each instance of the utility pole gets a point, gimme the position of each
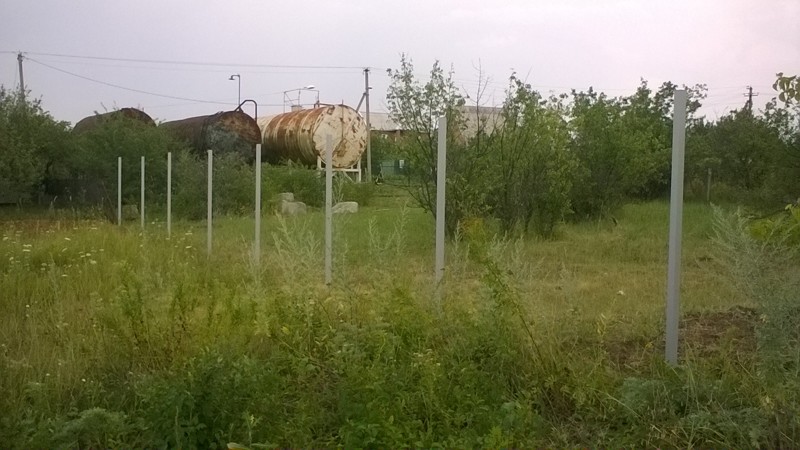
(750, 95)
(369, 130)
(21, 78)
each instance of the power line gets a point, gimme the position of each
(200, 70)
(124, 87)
(198, 63)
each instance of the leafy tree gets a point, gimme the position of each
(605, 171)
(782, 178)
(532, 169)
(788, 88)
(746, 146)
(623, 145)
(647, 119)
(416, 106)
(31, 142)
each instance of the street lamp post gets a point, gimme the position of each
(238, 78)
(286, 97)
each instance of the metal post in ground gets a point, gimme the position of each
(328, 209)
(169, 195)
(119, 190)
(441, 164)
(257, 240)
(142, 193)
(209, 194)
(675, 228)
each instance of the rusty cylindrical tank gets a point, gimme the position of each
(225, 131)
(300, 135)
(91, 122)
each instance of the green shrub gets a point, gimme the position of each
(307, 185)
(346, 190)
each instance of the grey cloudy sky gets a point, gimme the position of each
(557, 45)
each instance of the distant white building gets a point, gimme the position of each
(489, 118)
(381, 123)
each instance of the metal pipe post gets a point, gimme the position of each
(142, 192)
(441, 167)
(119, 190)
(675, 225)
(209, 192)
(328, 209)
(169, 195)
(257, 241)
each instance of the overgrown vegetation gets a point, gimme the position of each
(113, 337)
(536, 162)
(110, 338)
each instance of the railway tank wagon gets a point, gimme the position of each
(224, 132)
(92, 122)
(299, 136)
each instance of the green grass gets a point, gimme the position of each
(114, 337)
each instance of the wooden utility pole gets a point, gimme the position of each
(750, 95)
(21, 77)
(369, 130)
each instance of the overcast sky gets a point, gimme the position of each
(556, 45)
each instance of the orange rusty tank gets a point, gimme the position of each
(300, 135)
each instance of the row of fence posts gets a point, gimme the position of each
(257, 213)
(675, 227)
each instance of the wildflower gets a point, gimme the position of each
(83, 380)
(88, 255)
(5, 238)
(63, 275)
(188, 247)
(92, 262)
(67, 239)
(26, 250)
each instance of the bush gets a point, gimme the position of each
(93, 164)
(30, 141)
(346, 190)
(307, 185)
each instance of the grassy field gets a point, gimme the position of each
(112, 337)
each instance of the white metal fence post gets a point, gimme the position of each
(119, 190)
(209, 196)
(441, 165)
(142, 193)
(257, 241)
(675, 226)
(328, 209)
(169, 195)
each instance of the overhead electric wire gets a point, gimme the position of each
(199, 63)
(124, 87)
(187, 69)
